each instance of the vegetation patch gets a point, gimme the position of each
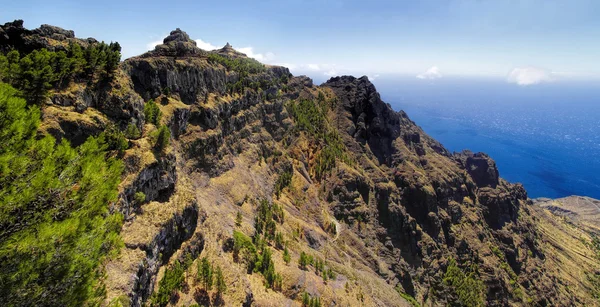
(39, 71)
(466, 285)
(311, 117)
(55, 228)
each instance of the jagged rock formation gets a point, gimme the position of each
(394, 214)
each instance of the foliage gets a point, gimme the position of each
(279, 240)
(168, 285)
(39, 71)
(205, 273)
(54, 219)
(311, 117)
(409, 298)
(152, 112)
(286, 256)
(115, 139)
(594, 277)
(265, 221)
(243, 66)
(283, 181)
(467, 286)
(310, 301)
(304, 261)
(132, 132)
(220, 281)
(139, 198)
(259, 259)
(238, 219)
(162, 137)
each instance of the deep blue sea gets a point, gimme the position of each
(545, 136)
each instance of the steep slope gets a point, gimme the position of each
(584, 212)
(291, 193)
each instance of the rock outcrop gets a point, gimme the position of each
(389, 213)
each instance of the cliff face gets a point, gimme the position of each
(397, 218)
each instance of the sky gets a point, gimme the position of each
(525, 42)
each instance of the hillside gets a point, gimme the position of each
(224, 181)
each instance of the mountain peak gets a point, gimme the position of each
(178, 35)
(229, 51)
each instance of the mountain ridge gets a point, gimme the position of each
(388, 215)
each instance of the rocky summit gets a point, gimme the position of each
(225, 181)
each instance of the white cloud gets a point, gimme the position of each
(330, 73)
(373, 77)
(529, 75)
(249, 51)
(432, 73)
(291, 66)
(151, 45)
(314, 67)
(205, 45)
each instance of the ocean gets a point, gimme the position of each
(545, 136)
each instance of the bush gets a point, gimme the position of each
(311, 117)
(168, 285)
(286, 256)
(205, 273)
(303, 261)
(238, 219)
(132, 132)
(264, 223)
(243, 66)
(152, 113)
(467, 286)
(220, 281)
(283, 181)
(39, 71)
(139, 198)
(162, 136)
(243, 249)
(54, 201)
(115, 139)
(310, 301)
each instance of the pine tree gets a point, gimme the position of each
(35, 76)
(286, 256)
(220, 281)
(162, 138)
(205, 273)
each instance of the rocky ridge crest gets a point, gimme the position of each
(395, 215)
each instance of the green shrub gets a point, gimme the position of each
(53, 211)
(162, 137)
(264, 223)
(39, 71)
(243, 66)
(243, 249)
(115, 139)
(139, 198)
(303, 261)
(311, 117)
(168, 285)
(283, 181)
(205, 273)
(286, 256)
(279, 240)
(310, 301)
(220, 281)
(238, 219)
(132, 132)
(467, 286)
(152, 112)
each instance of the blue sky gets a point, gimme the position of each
(526, 42)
